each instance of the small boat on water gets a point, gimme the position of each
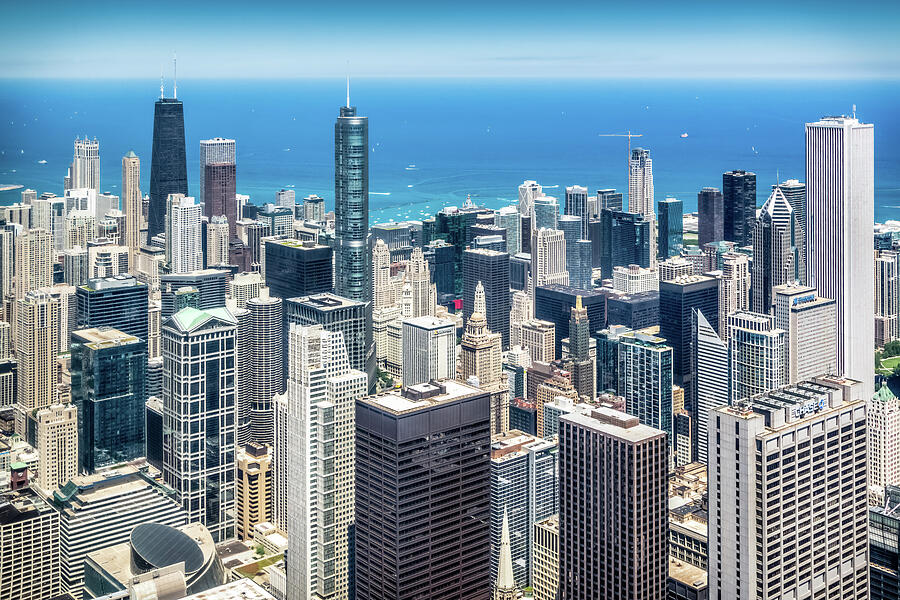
(684, 135)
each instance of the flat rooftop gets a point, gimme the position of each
(614, 424)
(687, 573)
(422, 395)
(98, 338)
(326, 301)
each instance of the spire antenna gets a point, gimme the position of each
(175, 64)
(162, 92)
(348, 91)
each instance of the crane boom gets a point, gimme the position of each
(627, 134)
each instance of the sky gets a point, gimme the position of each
(798, 39)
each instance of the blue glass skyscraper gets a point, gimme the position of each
(109, 388)
(168, 166)
(671, 228)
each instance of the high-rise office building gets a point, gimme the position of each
(429, 349)
(508, 218)
(264, 374)
(884, 547)
(808, 321)
(840, 212)
(351, 206)
(416, 293)
(184, 244)
(244, 286)
(383, 295)
(37, 345)
(546, 213)
(807, 442)
(571, 225)
(539, 339)
(286, 199)
(7, 262)
(199, 420)
(608, 198)
(293, 268)
(81, 228)
(34, 258)
(581, 362)
(739, 205)
(214, 151)
(334, 313)
(168, 165)
(119, 302)
(670, 228)
(56, 440)
(734, 287)
(254, 489)
(887, 296)
(711, 386)
(883, 434)
(613, 488)
(29, 536)
(677, 299)
(131, 204)
(773, 251)
(402, 533)
(524, 489)
(480, 362)
(624, 239)
(545, 558)
(217, 239)
(211, 283)
(757, 355)
(86, 164)
(528, 191)
(548, 258)
(490, 269)
(577, 205)
(219, 197)
(314, 208)
(710, 216)
(640, 182)
(109, 389)
(99, 511)
(645, 380)
(795, 193)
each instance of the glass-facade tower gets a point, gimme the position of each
(168, 166)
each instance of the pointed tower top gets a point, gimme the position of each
(162, 93)
(578, 302)
(480, 303)
(348, 91)
(505, 579)
(131, 154)
(175, 66)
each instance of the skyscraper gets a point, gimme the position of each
(613, 507)
(773, 251)
(254, 489)
(508, 217)
(734, 287)
(884, 546)
(219, 193)
(795, 193)
(839, 238)
(645, 380)
(402, 533)
(710, 216)
(546, 212)
(199, 420)
(131, 203)
(528, 191)
(34, 258)
(56, 440)
(582, 365)
(184, 244)
(624, 240)
(480, 362)
(576, 204)
(739, 205)
(548, 258)
(214, 151)
(640, 182)
(334, 314)
(168, 165)
(429, 350)
(809, 322)
(118, 302)
(109, 388)
(710, 391)
(351, 205)
(757, 352)
(800, 440)
(37, 344)
(293, 268)
(86, 164)
(887, 296)
(321, 413)
(670, 228)
(29, 531)
(883, 434)
(490, 269)
(264, 372)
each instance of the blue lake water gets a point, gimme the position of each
(478, 137)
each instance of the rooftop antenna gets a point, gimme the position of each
(854, 111)
(161, 92)
(348, 84)
(175, 63)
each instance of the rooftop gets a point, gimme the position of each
(190, 318)
(326, 301)
(687, 573)
(98, 338)
(21, 505)
(422, 395)
(614, 423)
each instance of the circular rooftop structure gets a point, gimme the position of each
(154, 546)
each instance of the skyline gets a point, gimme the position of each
(771, 40)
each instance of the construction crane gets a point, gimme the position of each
(627, 134)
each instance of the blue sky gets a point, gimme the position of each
(460, 38)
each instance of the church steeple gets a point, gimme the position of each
(505, 588)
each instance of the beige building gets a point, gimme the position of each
(131, 202)
(57, 444)
(244, 287)
(37, 328)
(481, 359)
(883, 432)
(254, 488)
(545, 558)
(539, 338)
(29, 538)
(34, 261)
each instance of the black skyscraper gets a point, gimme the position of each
(739, 203)
(554, 303)
(119, 302)
(295, 268)
(624, 239)
(168, 167)
(710, 217)
(491, 268)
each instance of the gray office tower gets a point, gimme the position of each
(610, 199)
(441, 258)
(635, 311)
(294, 268)
(583, 276)
(423, 525)
(120, 302)
(670, 240)
(577, 205)
(623, 239)
(795, 193)
(491, 268)
(710, 216)
(571, 227)
(739, 207)
(210, 283)
(109, 388)
(677, 299)
(168, 165)
(613, 508)
(554, 303)
(884, 547)
(334, 313)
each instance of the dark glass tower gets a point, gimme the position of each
(623, 239)
(120, 302)
(168, 166)
(219, 193)
(710, 217)
(491, 268)
(671, 228)
(739, 202)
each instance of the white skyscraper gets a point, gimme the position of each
(321, 425)
(199, 415)
(86, 164)
(184, 249)
(883, 426)
(809, 323)
(217, 234)
(528, 191)
(887, 297)
(510, 219)
(640, 182)
(788, 515)
(429, 350)
(382, 291)
(548, 259)
(840, 203)
(734, 287)
(286, 199)
(756, 354)
(711, 367)
(214, 151)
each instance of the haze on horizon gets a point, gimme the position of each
(653, 39)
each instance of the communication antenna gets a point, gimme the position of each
(348, 84)
(175, 63)
(161, 92)
(854, 111)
